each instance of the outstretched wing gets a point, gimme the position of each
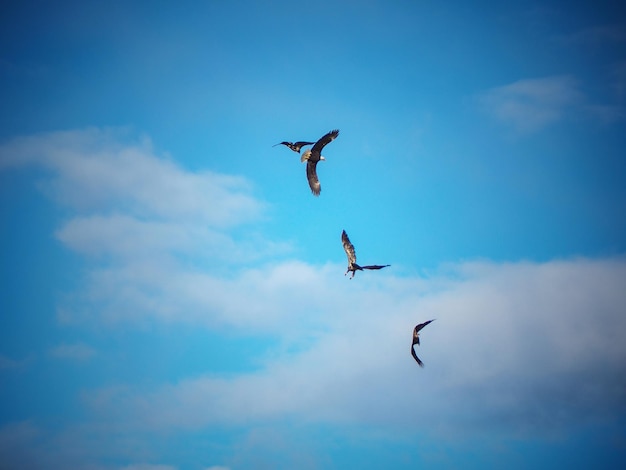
(311, 175)
(348, 248)
(422, 325)
(295, 146)
(286, 144)
(326, 139)
(376, 266)
(417, 359)
(301, 144)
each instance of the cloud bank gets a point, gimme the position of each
(522, 347)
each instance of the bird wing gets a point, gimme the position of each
(311, 175)
(295, 146)
(301, 144)
(421, 364)
(288, 144)
(422, 325)
(326, 139)
(348, 248)
(376, 266)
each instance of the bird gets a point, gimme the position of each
(295, 146)
(315, 155)
(352, 266)
(416, 340)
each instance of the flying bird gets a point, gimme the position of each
(313, 156)
(295, 146)
(416, 340)
(352, 266)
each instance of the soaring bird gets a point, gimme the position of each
(352, 266)
(295, 146)
(416, 340)
(313, 156)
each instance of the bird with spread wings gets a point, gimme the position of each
(416, 340)
(315, 155)
(352, 266)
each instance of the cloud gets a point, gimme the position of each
(594, 35)
(532, 104)
(17, 440)
(519, 347)
(8, 363)
(139, 217)
(98, 170)
(77, 352)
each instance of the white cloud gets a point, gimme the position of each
(520, 346)
(140, 211)
(531, 104)
(77, 352)
(100, 170)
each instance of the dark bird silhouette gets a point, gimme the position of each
(416, 340)
(352, 266)
(295, 146)
(313, 156)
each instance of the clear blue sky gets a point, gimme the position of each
(172, 295)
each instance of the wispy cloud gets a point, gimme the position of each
(532, 104)
(103, 170)
(8, 363)
(508, 350)
(141, 211)
(16, 440)
(594, 35)
(77, 352)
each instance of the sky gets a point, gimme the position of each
(172, 296)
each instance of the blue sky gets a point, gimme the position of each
(172, 295)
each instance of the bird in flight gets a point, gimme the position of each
(313, 156)
(416, 340)
(295, 146)
(352, 266)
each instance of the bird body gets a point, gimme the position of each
(416, 340)
(313, 156)
(353, 267)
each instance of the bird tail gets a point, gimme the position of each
(305, 156)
